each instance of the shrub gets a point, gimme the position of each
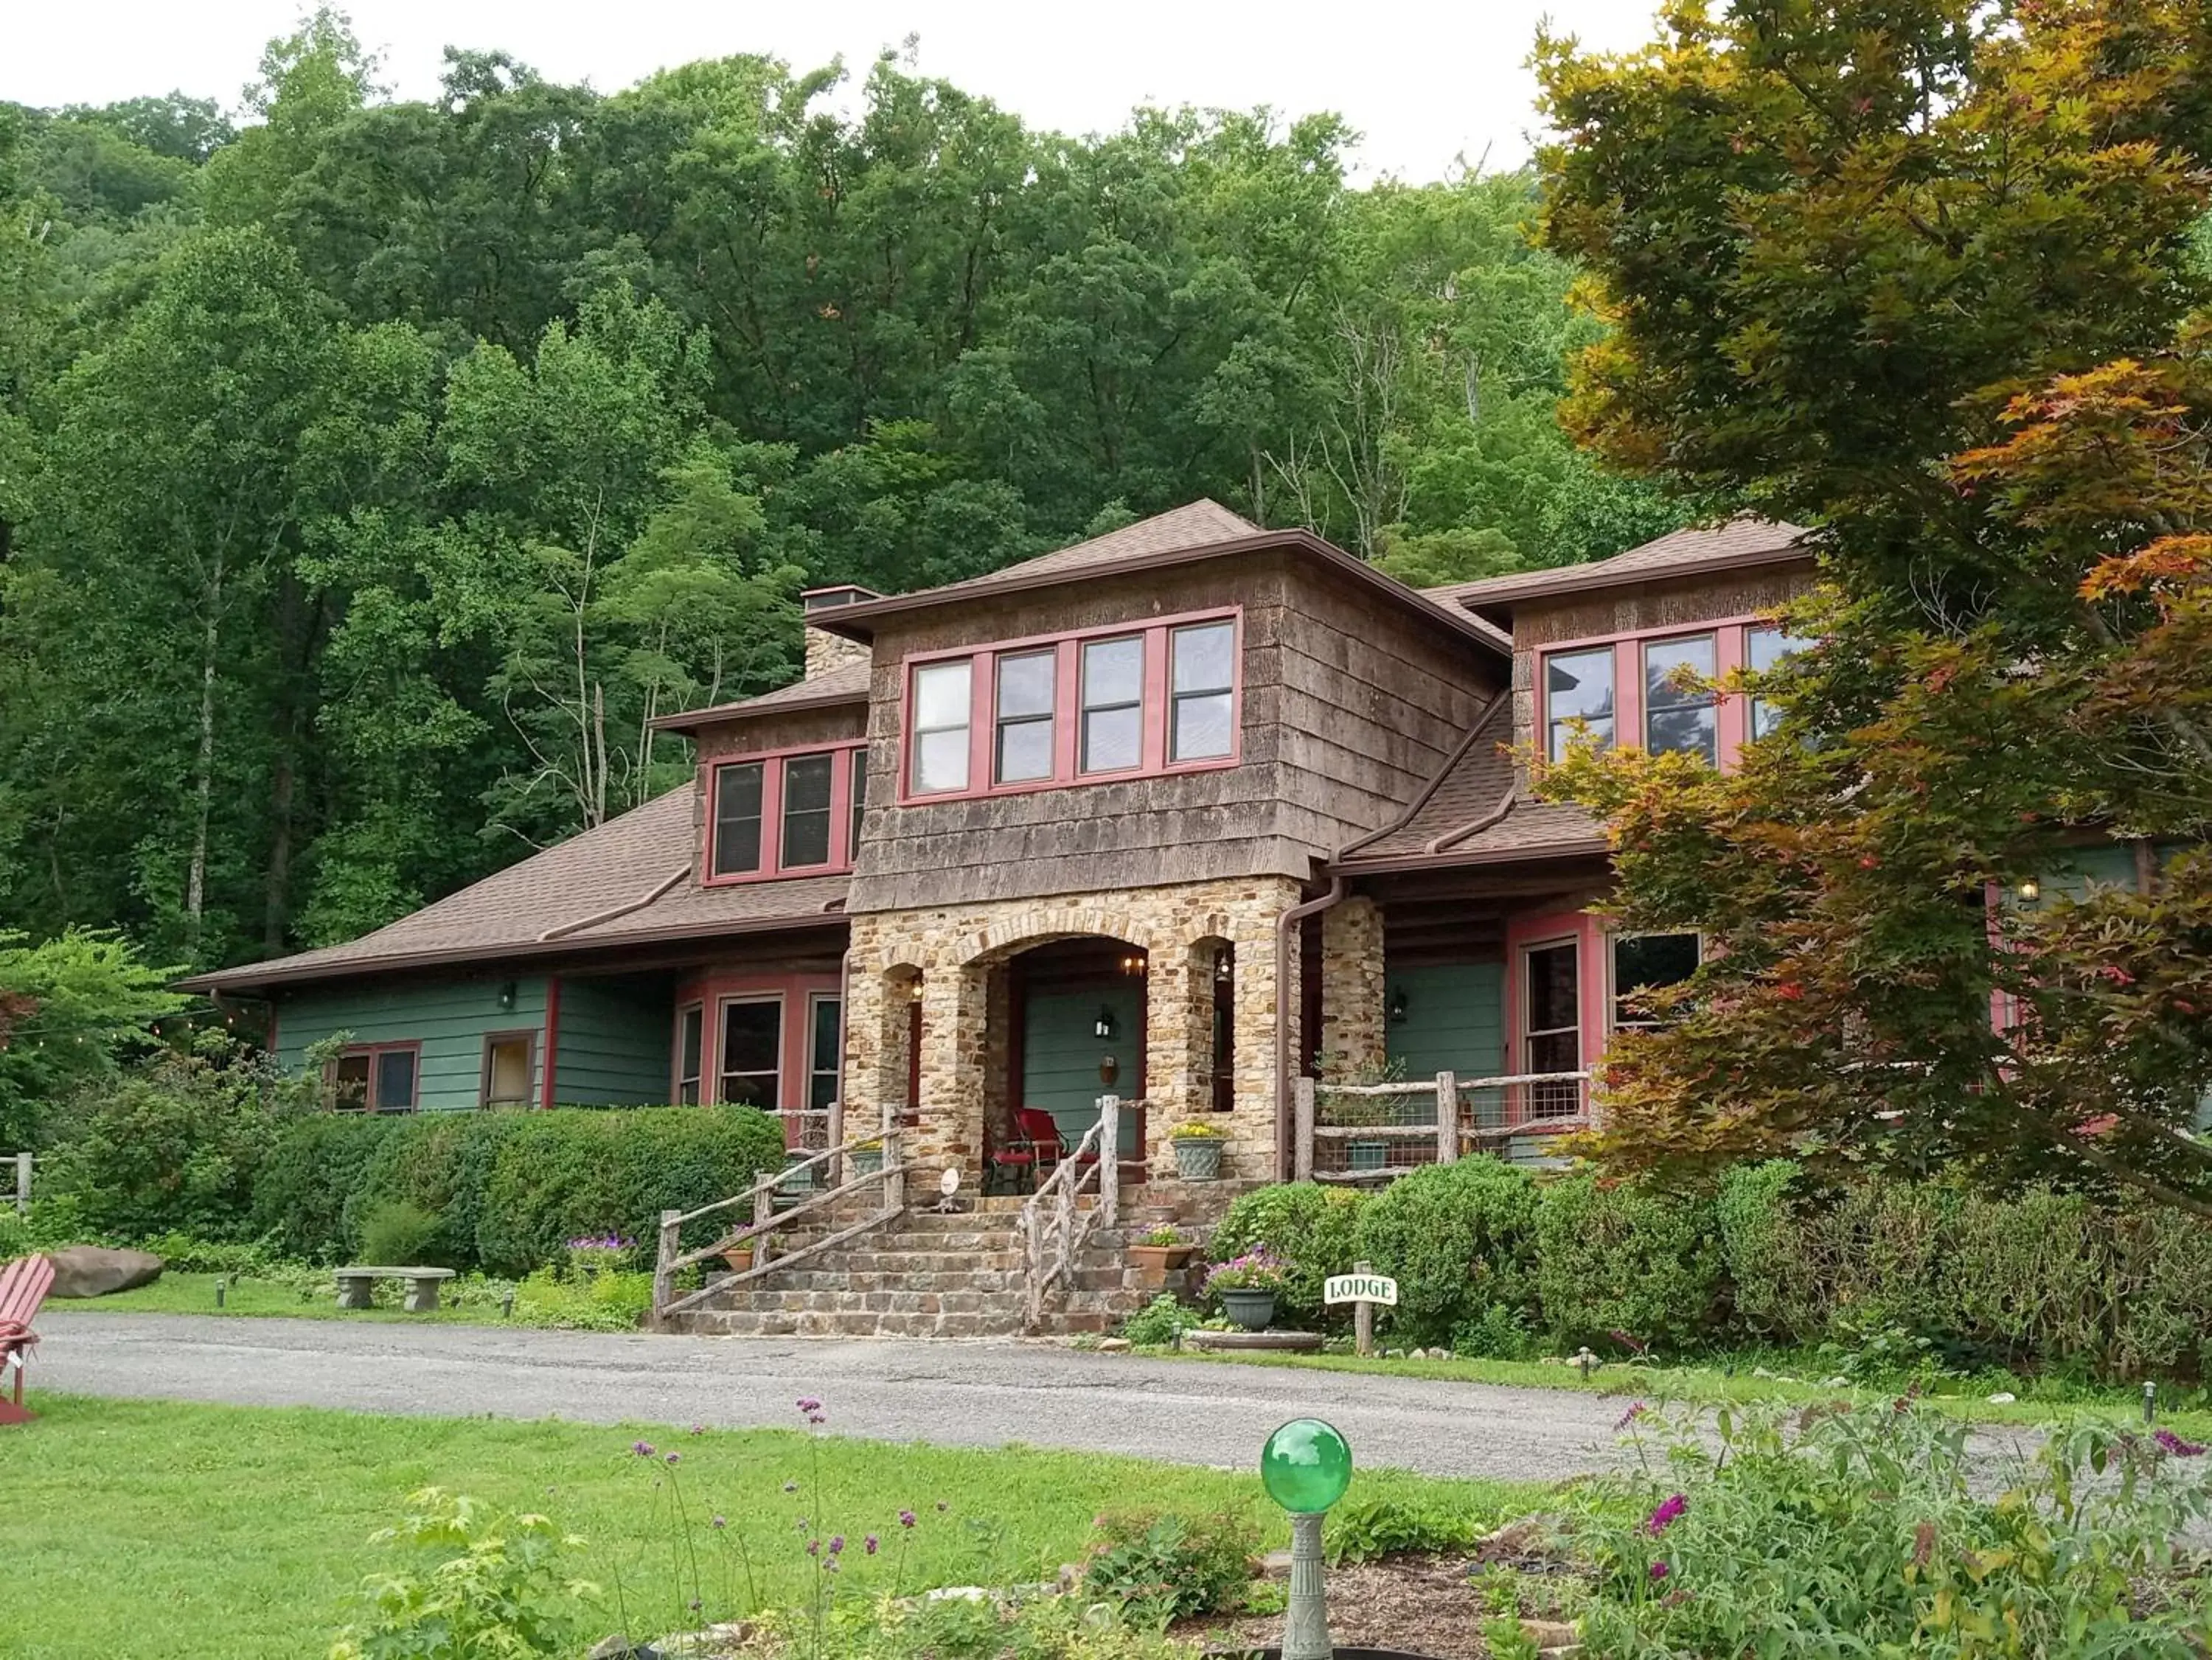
(1164, 1568)
(1460, 1238)
(1311, 1229)
(175, 1144)
(1869, 1531)
(1161, 1323)
(441, 1162)
(307, 1174)
(1754, 1214)
(498, 1587)
(1619, 1260)
(396, 1234)
(1369, 1528)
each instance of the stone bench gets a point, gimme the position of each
(355, 1285)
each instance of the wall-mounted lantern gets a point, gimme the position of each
(507, 995)
(1398, 1006)
(1103, 1027)
(2030, 890)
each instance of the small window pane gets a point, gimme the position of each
(1205, 658)
(940, 696)
(1578, 685)
(1025, 684)
(736, 819)
(691, 1030)
(753, 1049)
(822, 1084)
(1554, 1000)
(1113, 672)
(1765, 649)
(1024, 751)
(941, 760)
(349, 1083)
(1679, 719)
(1203, 727)
(1644, 962)
(1113, 739)
(507, 1072)
(395, 1079)
(806, 811)
(858, 804)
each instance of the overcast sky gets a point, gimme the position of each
(1426, 81)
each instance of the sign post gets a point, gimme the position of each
(1363, 1288)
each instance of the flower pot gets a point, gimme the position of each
(796, 1184)
(1251, 1309)
(1197, 1158)
(741, 1260)
(867, 1161)
(1154, 1263)
(1369, 1155)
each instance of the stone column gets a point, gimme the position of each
(955, 1048)
(1351, 991)
(1252, 1151)
(1178, 1043)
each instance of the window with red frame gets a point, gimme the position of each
(796, 814)
(375, 1078)
(1100, 704)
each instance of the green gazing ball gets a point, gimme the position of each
(1305, 1466)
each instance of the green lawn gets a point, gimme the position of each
(139, 1530)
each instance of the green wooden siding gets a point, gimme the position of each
(1454, 1020)
(447, 1018)
(1061, 1050)
(613, 1049)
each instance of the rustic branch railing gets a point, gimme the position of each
(1054, 1225)
(760, 1199)
(1444, 1124)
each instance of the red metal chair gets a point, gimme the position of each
(1041, 1131)
(23, 1286)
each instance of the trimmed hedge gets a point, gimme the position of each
(1485, 1257)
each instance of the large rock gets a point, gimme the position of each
(84, 1270)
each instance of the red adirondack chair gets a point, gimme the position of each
(23, 1285)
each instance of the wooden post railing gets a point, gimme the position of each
(1447, 1118)
(1304, 1110)
(1110, 1157)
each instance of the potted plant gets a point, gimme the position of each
(740, 1257)
(797, 1184)
(1359, 1112)
(868, 1156)
(1197, 1150)
(1161, 1252)
(1246, 1286)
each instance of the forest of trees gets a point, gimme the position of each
(371, 472)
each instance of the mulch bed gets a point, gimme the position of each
(1420, 1604)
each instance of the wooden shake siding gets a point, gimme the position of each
(449, 1018)
(1347, 706)
(614, 1042)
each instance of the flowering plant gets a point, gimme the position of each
(1196, 1129)
(1257, 1270)
(593, 1255)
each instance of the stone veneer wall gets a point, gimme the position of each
(826, 650)
(1352, 988)
(961, 951)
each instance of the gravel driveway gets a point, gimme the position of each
(984, 1393)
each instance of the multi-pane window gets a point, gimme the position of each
(1679, 703)
(752, 1051)
(1551, 1027)
(737, 800)
(1203, 672)
(1644, 962)
(1764, 649)
(1578, 686)
(690, 1042)
(941, 700)
(378, 1077)
(1113, 705)
(1025, 719)
(825, 1054)
(806, 785)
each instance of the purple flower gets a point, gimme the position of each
(870, 1542)
(1663, 1518)
(698, 1429)
(675, 1458)
(716, 1521)
(694, 1605)
(836, 1544)
(2174, 1444)
(1630, 1416)
(808, 1404)
(643, 1449)
(942, 1507)
(1658, 1570)
(814, 1547)
(791, 1487)
(818, 1418)
(906, 1518)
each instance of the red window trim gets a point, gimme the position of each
(1586, 933)
(528, 1036)
(1732, 709)
(771, 763)
(414, 1046)
(1068, 707)
(795, 992)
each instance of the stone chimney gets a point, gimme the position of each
(824, 651)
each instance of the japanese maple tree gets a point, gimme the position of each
(1929, 275)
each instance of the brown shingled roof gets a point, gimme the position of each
(635, 879)
(848, 684)
(1472, 812)
(1738, 542)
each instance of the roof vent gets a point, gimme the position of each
(828, 599)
